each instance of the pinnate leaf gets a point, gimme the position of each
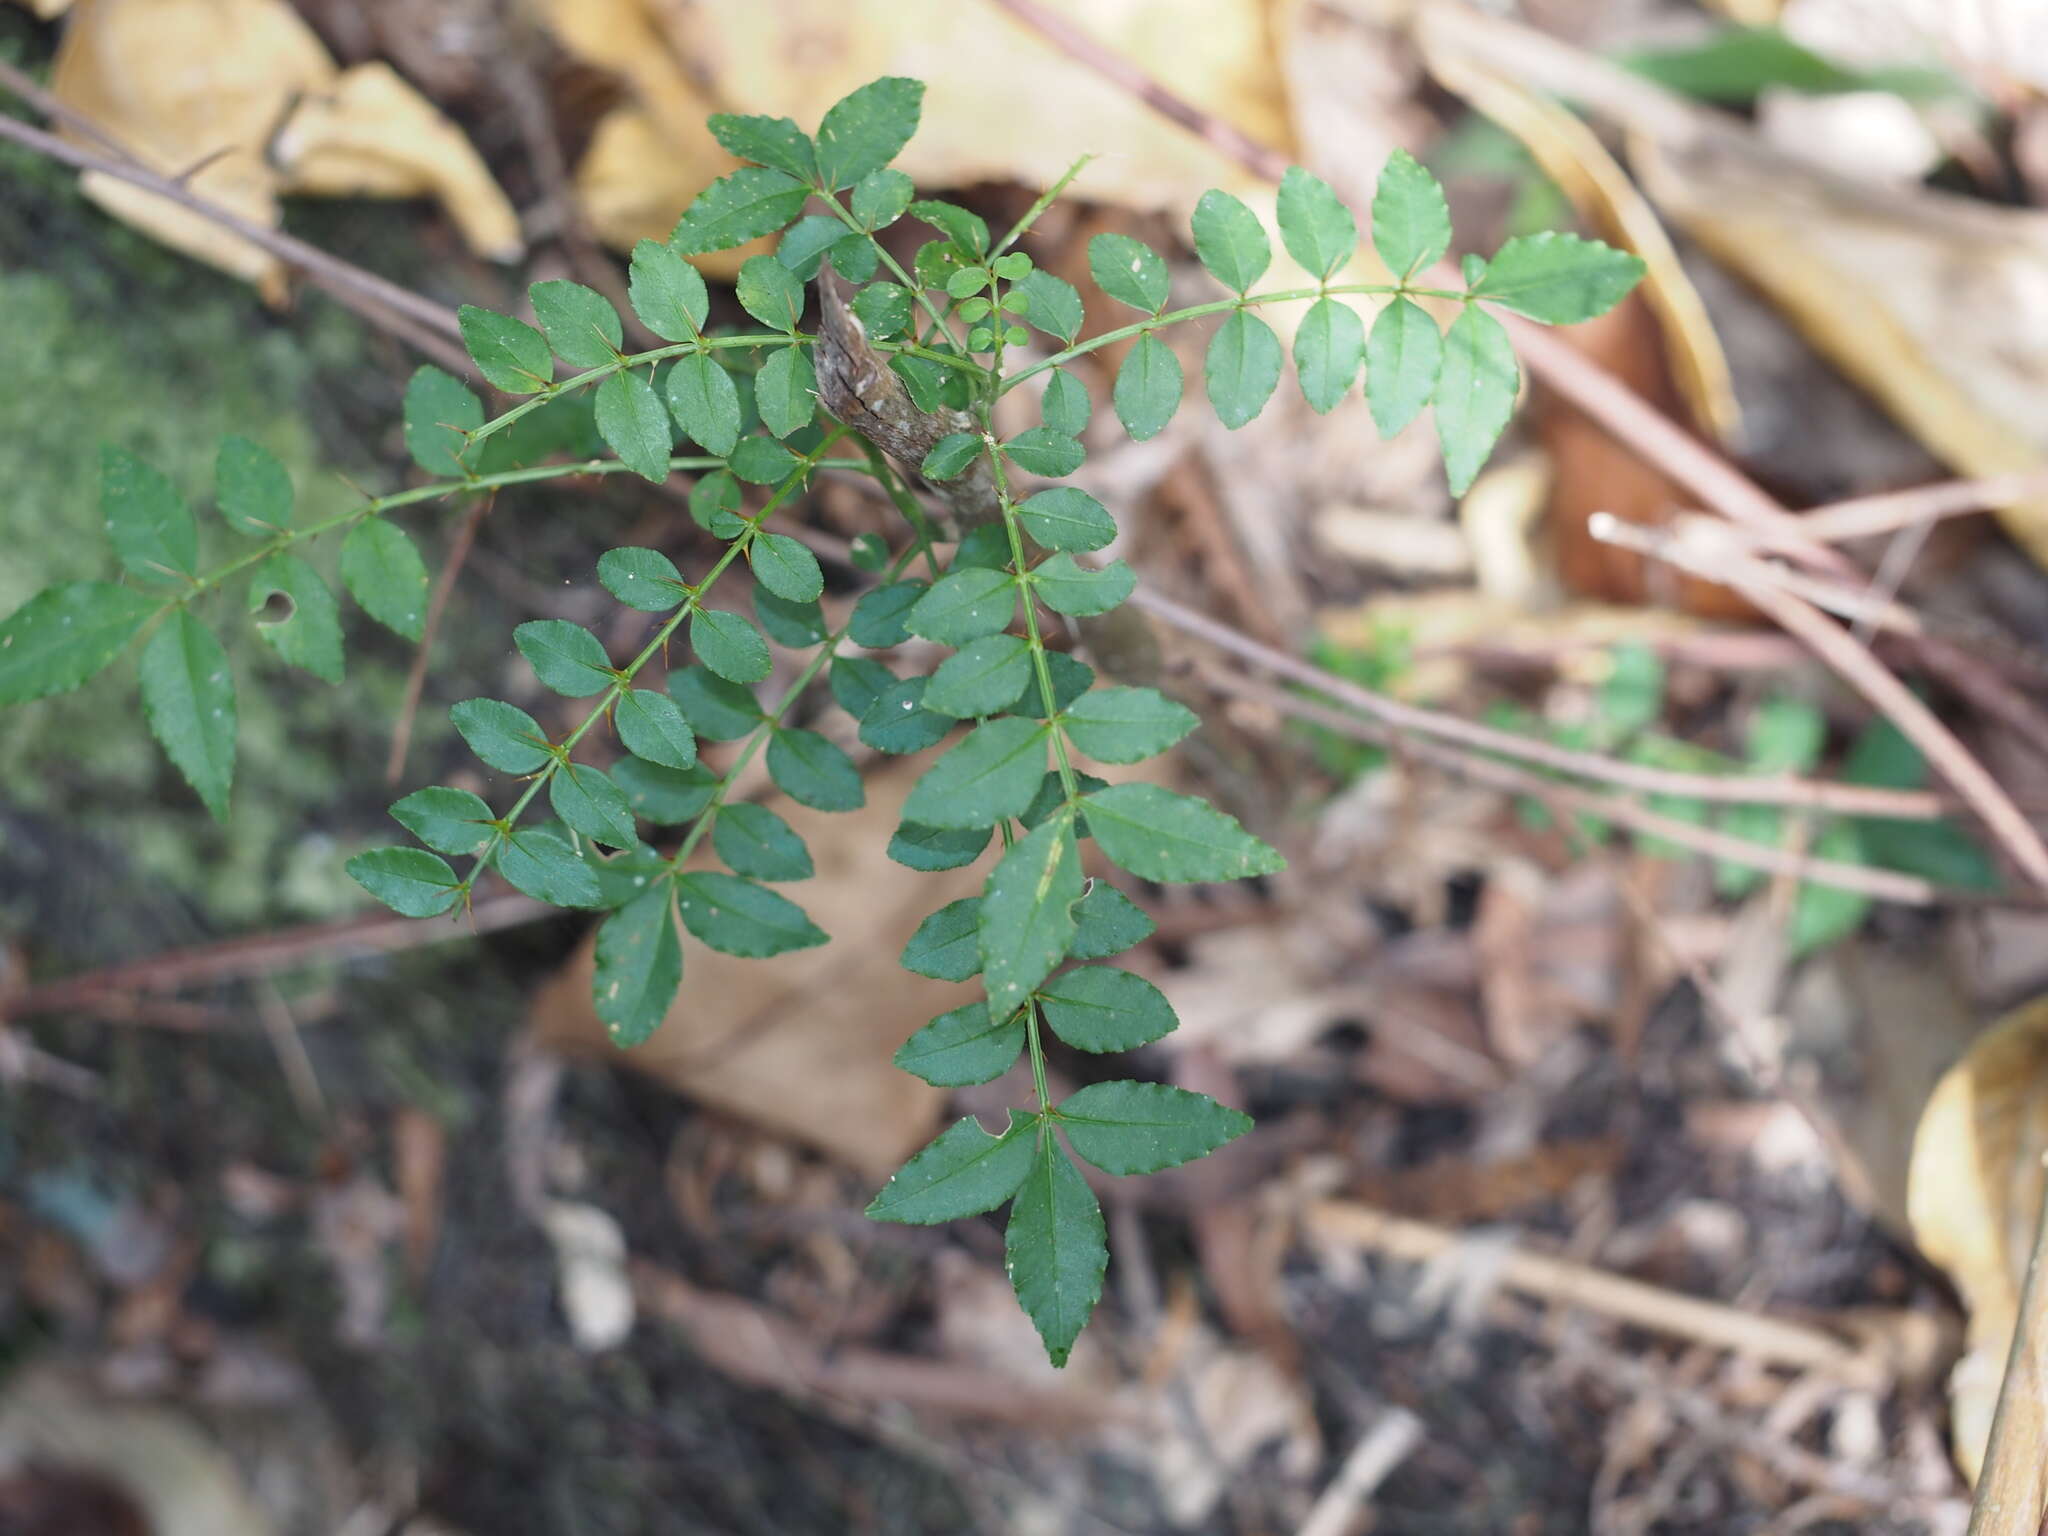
(1126, 725)
(511, 354)
(990, 775)
(961, 1172)
(729, 646)
(543, 866)
(738, 917)
(772, 141)
(1411, 222)
(1327, 351)
(645, 579)
(1127, 1127)
(786, 568)
(410, 881)
(188, 697)
(308, 634)
(1064, 517)
(502, 735)
(567, 658)
(786, 391)
(1042, 451)
(1027, 912)
(1100, 1008)
(383, 571)
(639, 966)
(705, 403)
(667, 292)
(652, 726)
(1148, 388)
(1068, 587)
(947, 945)
(1053, 304)
(589, 802)
(1557, 278)
(759, 844)
(1055, 1247)
(1177, 839)
(1230, 241)
(152, 530)
(1402, 358)
(770, 292)
(962, 606)
(1129, 271)
(1475, 393)
(446, 820)
(631, 419)
(981, 679)
(1317, 229)
(65, 634)
(863, 131)
(753, 201)
(579, 322)
(1241, 368)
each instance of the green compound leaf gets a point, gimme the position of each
(989, 776)
(188, 697)
(761, 461)
(543, 866)
(1475, 393)
(1230, 241)
(631, 419)
(511, 354)
(719, 710)
(1129, 271)
(930, 849)
(308, 634)
(947, 945)
(898, 723)
(1176, 839)
(446, 820)
(963, 1046)
(705, 403)
(439, 410)
(1402, 358)
(1315, 226)
(1411, 222)
(1144, 1127)
(880, 198)
(770, 292)
(579, 322)
(664, 796)
(1055, 1247)
(1126, 725)
(1558, 278)
(759, 844)
(786, 391)
(502, 735)
(1027, 912)
(772, 141)
(1065, 407)
(814, 772)
(1042, 451)
(729, 646)
(962, 606)
(880, 619)
(1052, 305)
(1072, 589)
(567, 658)
(1327, 351)
(985, 678)
(652, 726)
(589, 802)
(753, 201)
(153, 532)
(65, 634)
(1065, 518)
(252, 490)
(644, 579)
(950, 455)
(667, 293)
(786, 568)
(1107, 922)
(383, 571)
(1148, 388)
(410, 881)
(1241, 368)
(962, 1172)
(639, 966)
(1100, 1008)
(865, 130)
(738, 917)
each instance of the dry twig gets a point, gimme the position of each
(2013, 1486)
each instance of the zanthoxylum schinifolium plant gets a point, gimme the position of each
(945, 337)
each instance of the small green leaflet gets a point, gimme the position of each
(65, 634)
(947, 945)
(384, 573)
(1558, 278)
(1411, 222)
(152, 530)
(410, 881)
(753, 201)
(503, 735)
(1055, 1247)
(631, 419)
(1107, 922)
(1129, 271)
(1070, 679)
(664, 796)
(770, 292)
(785, 567)
(1126, 725)
(639, 966)
(786, 390)
(963, 1046)
(1065, 407)
(879, 619)
(738, 917)
(252, 490)
(439, 409)
(1241, 368)
(1402, 357)
(589, 802)
(929, 849)
(729, 646)
(651, 726)
(579, 322)
(857, 681)
(1067, 587)
(567, 658)
(803, 248)
(1027, 912)
(759, 844)
(898, 723)
(1053, 304)
(1159, 835)
(962, 1172)
(1823, 914)
(188, 697)
(1064, 517)
(511, 354)
(719, 710)
(446, 820)
(761, 461)
(1316, 228)
(814, 772)
(982, 679)
(309, 633)
(774, 141)
(962, 606)
(990, 775)
(667, 293)
(1148, 388)
(951, 455)
(705, 403)
(863, 131)
(1042, 451)
(1327, 351)
(967, 231)
(1100, 1008)
(883, 310)
(644, 579)
(1230, 241)
(1475, 393)
(1143, 1127)
(880, 198)
(544, 867)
